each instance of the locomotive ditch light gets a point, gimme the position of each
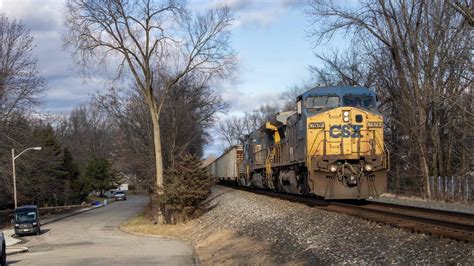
(333, 167)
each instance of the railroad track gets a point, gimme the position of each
(455, 225)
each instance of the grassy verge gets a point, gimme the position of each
(142, 225)
(213, 246)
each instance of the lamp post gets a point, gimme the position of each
(14, 172)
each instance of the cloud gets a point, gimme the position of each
(246, 100)
(39, 15)
(251, 12)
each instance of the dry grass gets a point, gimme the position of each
(142, 225)
(213, 246)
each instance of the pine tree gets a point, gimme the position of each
(46, 177)
(100, 172)
(72, 190)
(187, 185)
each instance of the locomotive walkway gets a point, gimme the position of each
(455, 225)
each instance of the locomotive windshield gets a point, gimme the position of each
(364, 101)
(321, 102)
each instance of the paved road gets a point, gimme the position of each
(93, 238)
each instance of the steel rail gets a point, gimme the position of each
(455, 225)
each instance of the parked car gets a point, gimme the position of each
(120, 195)
(3, 250)
(27, 220)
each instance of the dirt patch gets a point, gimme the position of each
(212, 246)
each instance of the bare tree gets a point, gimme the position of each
(288, 97)
(20, 82)
(232, 130)
(133, 138)
(159, 42)
(348, 69)
(187, 116)
(87, 133)
(465, 8)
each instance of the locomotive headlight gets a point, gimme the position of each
(346, 119)
(346, 113)
(368, 167)
(333, 168)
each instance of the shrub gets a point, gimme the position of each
(187, 185)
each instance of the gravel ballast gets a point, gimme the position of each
(296, 233)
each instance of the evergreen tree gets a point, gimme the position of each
(45, 179)
(74, 191)
(99, 171)
(187, 185)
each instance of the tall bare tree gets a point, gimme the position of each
(346, 69)
(20, 83)
(158, 42)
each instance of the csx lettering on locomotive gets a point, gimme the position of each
(345, 131)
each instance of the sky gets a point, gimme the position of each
(270, 37)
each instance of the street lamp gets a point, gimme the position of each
(14, 172)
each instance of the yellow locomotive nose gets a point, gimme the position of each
(349, 146)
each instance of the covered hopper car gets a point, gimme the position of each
(332, 146)
(229, 166)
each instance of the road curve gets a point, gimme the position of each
(94, 238)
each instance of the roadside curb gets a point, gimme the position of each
(16, 250)
(18, 241)
(156, 236)
(72, 214)
(9, 239)
(197, 261)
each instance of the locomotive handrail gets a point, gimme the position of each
(315, 138)
(377, 143)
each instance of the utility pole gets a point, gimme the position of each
(14, 172)
(14, 177)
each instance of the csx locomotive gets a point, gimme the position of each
(331, 146)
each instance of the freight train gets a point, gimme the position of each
(331, 146)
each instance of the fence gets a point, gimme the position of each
(459, 188)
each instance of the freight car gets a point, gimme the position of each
(229, 166)
(332, 146)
